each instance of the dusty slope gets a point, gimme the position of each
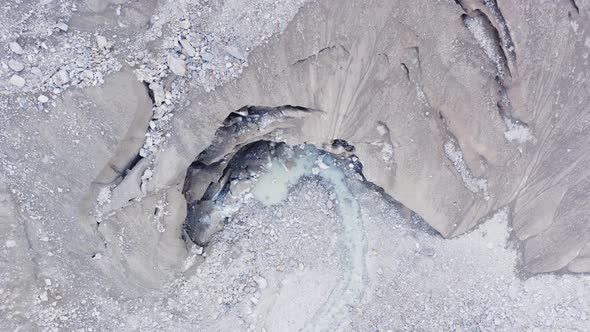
(451, 124)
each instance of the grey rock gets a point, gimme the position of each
(61, 77)
(235, 52)
(36, 71)
(16, 48)
(17, 81)
(206, 56)
(15, 65)
(176, 65)
(187, 48)
(203, 221)
(426, 251)
(185, 24)
(330, 205)
(101, 42)
(62, 26)
(261, 282)
(158, 92)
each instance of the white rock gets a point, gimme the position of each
(187, 48)
(233, 51)
(198, 250)
(102, 42)
(17, 81)
(61, 77)
(206, 56)
(147, 174)
(261, 282)
(16, 48)
(185, 24)
(10, 244)
(177, 65)
(158, 91)
(36, 71)
(42, 99)
(87, 74)
(62, 26)
(15, 65)
(330, 205)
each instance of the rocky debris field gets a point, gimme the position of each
(276, 268)
(417, 165)
(49, 47)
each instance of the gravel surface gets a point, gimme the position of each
(272, 268)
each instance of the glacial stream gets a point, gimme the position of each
(272, 188)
